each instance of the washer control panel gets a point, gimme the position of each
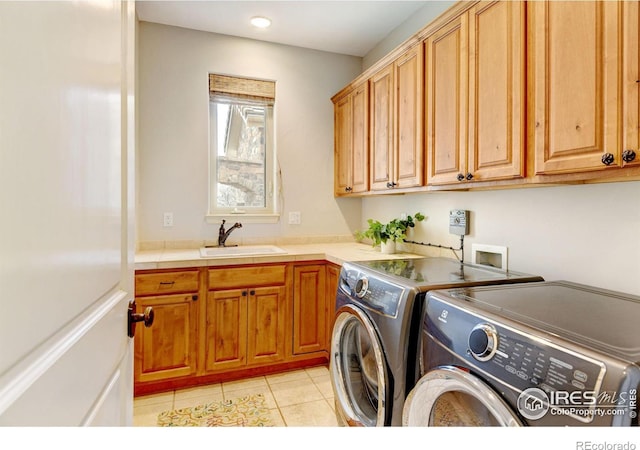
(371, 292)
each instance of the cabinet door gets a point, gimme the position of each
(343, 144)
(333, 277)
(266, 325)
(496, 91)
(351, 134)
(360, 139)
(309, 310)
(575, 63)
(447, 66)
(631, 91)
(168, 348)
(409, 146)
(381, 131)
(226, 329)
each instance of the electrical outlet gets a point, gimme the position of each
(294, 218)
(168, 219)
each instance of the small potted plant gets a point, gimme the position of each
(386, 235)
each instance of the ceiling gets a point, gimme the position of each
(347, 27)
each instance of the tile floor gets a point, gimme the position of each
(300, 398)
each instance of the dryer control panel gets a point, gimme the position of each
(516, 358)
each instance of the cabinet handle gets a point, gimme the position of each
(392, 184)
(460, 177)
(348, 189)
(628, 155)
(167, 283)
(194, 298)
(469, 176)
(244, 293)
(607, 159)
(252, 292)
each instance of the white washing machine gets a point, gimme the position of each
(374, 348)
(536, 354)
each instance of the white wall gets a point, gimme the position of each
(588, 234)
(404, 31)
(174, 64)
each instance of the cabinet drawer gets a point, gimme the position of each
(246, 277)
(166, 282)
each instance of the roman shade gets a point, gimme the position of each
(225, 87)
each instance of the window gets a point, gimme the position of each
(242, 177)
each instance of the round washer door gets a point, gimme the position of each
(448, 396)
(358, 369)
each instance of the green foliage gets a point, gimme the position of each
(396, 230)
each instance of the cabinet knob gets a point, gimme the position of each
(244, 293)
(348, 189)
(194, 298)
(252, 292)
(607, 159)
(469, 176)
(392, 184)
(460, 177)
(628, 155)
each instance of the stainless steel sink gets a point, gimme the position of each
(242, 250)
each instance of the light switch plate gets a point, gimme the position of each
(294, 218)
(168, 219)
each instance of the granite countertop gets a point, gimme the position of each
(336, 253)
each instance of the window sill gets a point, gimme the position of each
(243, 217)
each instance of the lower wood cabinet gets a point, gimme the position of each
(168, 349)
(215, 323)
(333, 277)
(245, 327)
(309, 309)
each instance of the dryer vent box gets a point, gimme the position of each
(489, 255)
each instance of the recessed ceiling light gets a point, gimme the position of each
(260, 22)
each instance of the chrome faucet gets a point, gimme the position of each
(224, 234)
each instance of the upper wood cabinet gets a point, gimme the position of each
(476, 96)
(575, 59)
(631, 84)
(508, 93)
(381, 128)
(351, 150)
(396, 127)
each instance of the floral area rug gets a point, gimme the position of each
(248, 411)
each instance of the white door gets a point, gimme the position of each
(66, 203)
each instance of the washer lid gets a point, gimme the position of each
(442, 273)
(584, 314)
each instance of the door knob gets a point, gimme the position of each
(133, 318)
